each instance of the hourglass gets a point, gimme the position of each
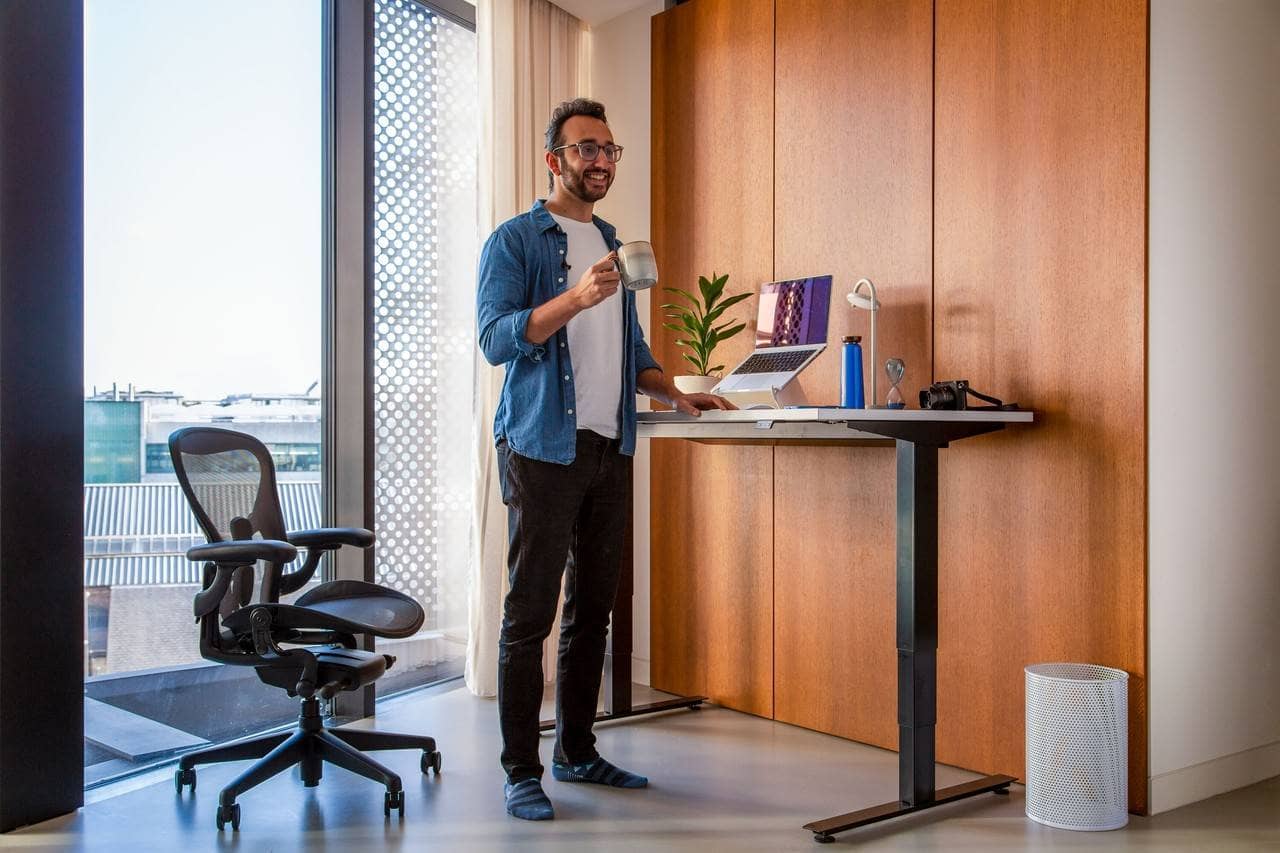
(895, 368)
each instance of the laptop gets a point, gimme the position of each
(791, 329)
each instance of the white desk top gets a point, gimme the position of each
(833, 414)
(805, 424)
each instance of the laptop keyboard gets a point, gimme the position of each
(773, 362)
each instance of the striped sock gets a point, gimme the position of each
(599, 772)
(526, 800)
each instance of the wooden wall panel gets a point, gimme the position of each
(853, 197)
(1040, 298)
(712, 541)
(853, 183)
(835, 665)
(711, 573)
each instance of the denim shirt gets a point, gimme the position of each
(521, 267)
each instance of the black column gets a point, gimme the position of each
(917, 619)
(41, 409)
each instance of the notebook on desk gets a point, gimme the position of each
(791, 329)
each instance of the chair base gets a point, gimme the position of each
(310, 745)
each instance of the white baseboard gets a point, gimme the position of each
(1210, 778)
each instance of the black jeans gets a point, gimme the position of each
(565, 520)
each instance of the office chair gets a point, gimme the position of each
(230, 483)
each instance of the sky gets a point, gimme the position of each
(203, 195)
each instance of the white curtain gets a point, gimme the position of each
(533, 55)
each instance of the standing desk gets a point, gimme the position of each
(917, 436)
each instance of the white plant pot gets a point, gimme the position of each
(686, 384)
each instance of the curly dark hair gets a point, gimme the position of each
(566, 111)
(561, 114)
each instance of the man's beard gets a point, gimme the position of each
(576, 184)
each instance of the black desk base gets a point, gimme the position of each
(690, 702)
(824, 830)
(917, 629)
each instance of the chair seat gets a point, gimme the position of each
(351, 668)
(383, 611)
(353, 607)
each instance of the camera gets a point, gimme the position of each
(946, 395)
(954, 395)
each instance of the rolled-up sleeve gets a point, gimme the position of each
(502, 302)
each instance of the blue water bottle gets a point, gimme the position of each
(851, 394)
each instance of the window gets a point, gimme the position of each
(204, 252)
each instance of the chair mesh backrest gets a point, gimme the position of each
(228, 475)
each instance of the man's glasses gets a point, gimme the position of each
(588, 151)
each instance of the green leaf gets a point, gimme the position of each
(705, 286)
(716, 369)
(722, 335)
(717, 289)
(712, 316)
(698, 366)
(730, 302)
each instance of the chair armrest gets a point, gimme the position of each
(243, 552)
(317, 542)
(331, 538)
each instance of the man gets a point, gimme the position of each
(549, 308)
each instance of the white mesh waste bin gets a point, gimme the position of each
(1077, 746)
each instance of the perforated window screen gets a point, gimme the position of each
(425, 123)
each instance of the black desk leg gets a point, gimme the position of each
(917, 619)
(617, 655)
(917, 638)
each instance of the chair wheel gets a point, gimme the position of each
(185, 777)
(431, 761)
(393, 800)
(229, 814)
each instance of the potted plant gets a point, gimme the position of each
(697, 323)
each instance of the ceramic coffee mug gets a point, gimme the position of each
(637, 265)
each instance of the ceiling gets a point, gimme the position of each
(598, 11)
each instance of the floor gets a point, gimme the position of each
(720, 781)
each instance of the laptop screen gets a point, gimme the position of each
(793, 312)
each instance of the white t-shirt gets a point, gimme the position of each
(595, 336)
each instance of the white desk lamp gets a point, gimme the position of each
(868, 302)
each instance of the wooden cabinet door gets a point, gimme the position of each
(1039, 297)
(853, 189)
(712, 506)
